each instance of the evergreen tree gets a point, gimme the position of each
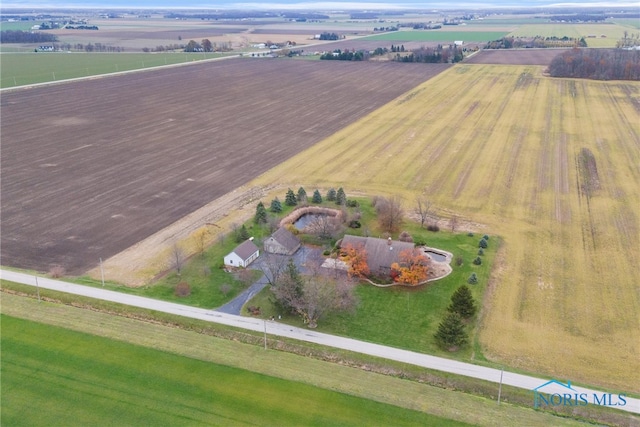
(480, 252)
(477, 261)
(451, 334)
(276, 206)
(290, 199)
(483, 243)
(473, 279)
(341, 198)
(331, 195)
(261, 214)
(462, 302)
(242, 234)
(302, 195)
(317, 198)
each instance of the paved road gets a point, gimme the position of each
(279, 329)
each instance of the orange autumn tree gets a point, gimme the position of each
(412, 267)
(356, 257)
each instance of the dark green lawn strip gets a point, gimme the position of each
(53, 376)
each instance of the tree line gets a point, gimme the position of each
(535, 42)
(19, 36)
(430, 55)
(598, 64)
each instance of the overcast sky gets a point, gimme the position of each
(311, 5)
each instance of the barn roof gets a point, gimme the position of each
(286, 239)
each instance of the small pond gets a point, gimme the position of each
(436, 256)
(306, 219)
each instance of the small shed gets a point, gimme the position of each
(243, 255)
(282, 242)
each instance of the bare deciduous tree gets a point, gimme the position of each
(390, 213)
(273, 266)
(423, 209)
(453, 222)
(177, 258)
(324, 226)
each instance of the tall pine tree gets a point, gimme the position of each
(317, 198)
(331, 195)
(290, 199)
(341, 198)
(261, 214)
(462, 303)
(276, 206)
(302, 195)
(451, 334)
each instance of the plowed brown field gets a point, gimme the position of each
(515, 56)
(90, 168)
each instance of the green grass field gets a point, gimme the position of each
(443, 401)
(439, 36)
(52, 375)
(27, 68)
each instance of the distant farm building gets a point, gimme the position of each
(282, 242)
(243, 255)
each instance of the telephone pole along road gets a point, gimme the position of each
(279, 329)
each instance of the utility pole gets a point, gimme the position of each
(37, 288)
(500, 388)
(101, 272)
(265, 333)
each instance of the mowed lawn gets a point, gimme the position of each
(54, 376)
(503, 146)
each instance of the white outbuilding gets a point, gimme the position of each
(243, 255)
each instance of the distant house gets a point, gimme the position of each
(458, 42)
(243, 255)
(381, 253)
(282, 242)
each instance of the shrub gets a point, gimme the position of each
(480, 252)
(183, 289)
(459, 260)
(225, 288)
(419, 242)
(326, 252)
(405, 237)
(473, 279)
(477, 261)
(352, 203)
(470, 234)
(485, 237)
(483, 243)
(57, 271)
(354, 223)
(433, 227)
